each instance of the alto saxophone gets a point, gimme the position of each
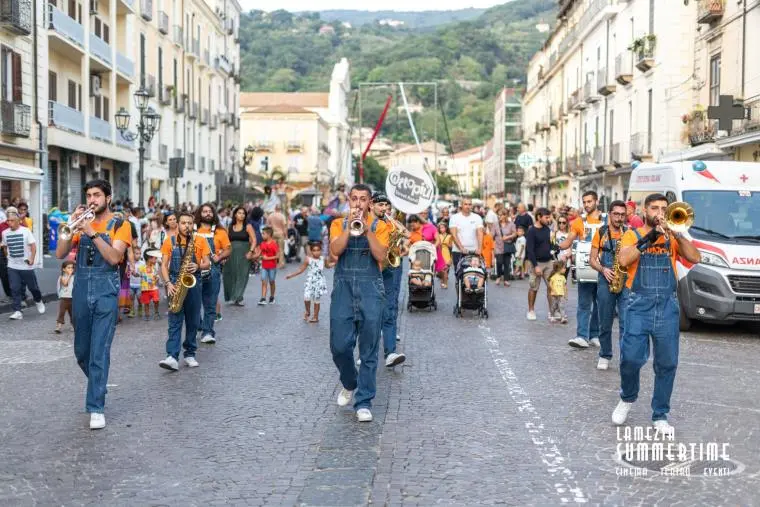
(185, 279)
(620, 274)
(396, 242)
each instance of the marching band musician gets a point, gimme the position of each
(605, 241)
(357, 300)
(210, 228)
(392, 283)
(101, 243)
(650, 253)
(173, 251)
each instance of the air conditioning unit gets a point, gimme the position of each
(96, 165)
(93, 6)
(94, 86)
(74, 161)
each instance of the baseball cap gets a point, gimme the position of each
(378, 197)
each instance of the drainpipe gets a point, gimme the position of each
(744, 45)
(43, 163)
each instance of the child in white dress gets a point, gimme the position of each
(316, 285)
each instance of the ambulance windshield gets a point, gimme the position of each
(725, 213)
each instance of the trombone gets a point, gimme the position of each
(67, 231)
(679, 216)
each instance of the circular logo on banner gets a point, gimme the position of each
(410, 188)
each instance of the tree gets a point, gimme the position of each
(285, 80)
(374, 173)
(446, 184)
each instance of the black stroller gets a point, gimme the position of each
(476, 300)
(293, 246)
(422, 296)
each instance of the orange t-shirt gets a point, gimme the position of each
(488, 247)
(579, 229)
(382, 232)
(596, 242)
(123, 233)
(630, 239)
(201, 247)
(415, 236)
(221, 238)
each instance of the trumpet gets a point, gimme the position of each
(356, 226)
(679, 216)
(67, 231)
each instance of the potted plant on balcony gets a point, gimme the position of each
(697, 129)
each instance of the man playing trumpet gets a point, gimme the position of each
(650, 254)
(101, 243)
(358, 299)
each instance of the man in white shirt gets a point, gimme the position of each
(21, 249)
(466, 228)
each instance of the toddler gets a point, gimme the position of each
(474, 275)
(65, 290)
(418, 276)
(149, 293)
(269, 258)
(519, 254)
(316, 285)
(558, 292)
(135, 280)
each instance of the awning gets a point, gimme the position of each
(12, 171)
(705, 151)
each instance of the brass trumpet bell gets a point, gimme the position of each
(679, 216)
(357, 227)
(67, 231)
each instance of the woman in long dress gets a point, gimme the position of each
(243, 241)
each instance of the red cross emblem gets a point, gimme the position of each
(744, 178)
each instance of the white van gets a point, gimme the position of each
(725, 286)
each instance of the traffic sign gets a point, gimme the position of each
(526, 160)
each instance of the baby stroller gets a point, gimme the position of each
(422, 296)
(475, 300)
(293, 246)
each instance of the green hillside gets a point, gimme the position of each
(424, 19)
(471, 61)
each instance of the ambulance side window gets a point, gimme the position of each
(671, 196)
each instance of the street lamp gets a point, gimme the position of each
(548, 169)
(148, 124)
(248, 154)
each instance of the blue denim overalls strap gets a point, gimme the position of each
(608, 245)
(654, 274)
(189, 314)
(357, 262)
(210, 282)
(210, 240)
(176, 259)
(95, 299)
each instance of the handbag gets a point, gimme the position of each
(509, 247)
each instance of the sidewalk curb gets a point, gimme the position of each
(46, 298)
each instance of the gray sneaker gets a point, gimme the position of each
(578, 343)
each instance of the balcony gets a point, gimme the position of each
(223, 64)
(572, 101)
(128, 4)
(213, 122)
(553, 116)
(178, 35)
(204, 116)
(146, 9)
(100, 49)
(100, 129)
(623, 68)
(641, 145)
(544, 125)
(580, 103)
(193, 113)
(206, 58)
(643, 49)
(124, 65)
(179, 103)
(294, 146)
(165, 96)
(66, 118)
(192, 47)
(710, 10)
(586, 163)
(263, 145)
(617, 155)
(229, 26)
(16, 16)
(237, 123)
(150, 85)
(590, 92)
(571, 165)
(752, 121)
(223, 116)
(190, 160)
(16, 119)
(604, 85)
(598, 157)
(65, 26)
(163, 22)
(202, 165)
(163, 154)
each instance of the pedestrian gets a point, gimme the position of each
(101, 245)
(602, 259)
(65, 288)
(315, 285)
(301, 225)
(488, 251)
(632, 219)
(443, 253)
(21, 249)
(649, 253)
(23, 214)
(269, 257)
(3, 257)
(279, 225)
(504, 234)
(174, 252)
(558, 292)
(538, 258)
(209, 228)
(357, 301)
(519, 264)
(135, 280)
(149, 293)
(243, 248)
(467, 231)
(523, 219)
(583, 229)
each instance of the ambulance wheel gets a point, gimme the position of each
(684, 322)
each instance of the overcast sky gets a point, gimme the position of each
(397, 5)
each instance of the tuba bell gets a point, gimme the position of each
(679, 216)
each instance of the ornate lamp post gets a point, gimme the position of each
(548, 174)
(248, 154)
(146, 128)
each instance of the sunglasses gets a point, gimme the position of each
(561, 222)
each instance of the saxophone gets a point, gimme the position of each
(396, 241)
(185, 279)
(620, 274)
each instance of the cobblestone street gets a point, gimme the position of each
(497, 411)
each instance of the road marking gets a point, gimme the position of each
(566, 486)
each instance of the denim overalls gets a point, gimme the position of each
(607, 301)
(190, 311)
(652, 310)
(95, 303)
(356, 311)
(210, 289)
(392, 285)
(587, 313)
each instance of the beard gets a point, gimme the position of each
(208, 220)
(651, 220)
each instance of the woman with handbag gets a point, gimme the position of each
(504, 234)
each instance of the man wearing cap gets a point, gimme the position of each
(392, 284)
(631, 218)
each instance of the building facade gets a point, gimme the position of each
(184, 53)
(430, 154)
(505, 174)
(608, 88)
(467, 169)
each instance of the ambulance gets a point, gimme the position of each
(725, 286)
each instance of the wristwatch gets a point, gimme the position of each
(94, 235)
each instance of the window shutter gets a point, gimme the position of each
(97, 108)
(52, 86)
(79, 97)
(106, 115)
(106, 33)
(18, 89)
(97, 28)
(72, 94)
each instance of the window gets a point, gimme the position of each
(714, 80)
(72, 94)
(106, 111)
(98, 113)
(160, 70)
(52, 86)
(142, 59)
(12, 89)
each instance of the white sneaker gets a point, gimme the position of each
(531, 316)
(191, 362)
(664, 427)
(603, 363)
(578, 342)
(169, 364)
(358, 362)
(207, 338)
(364, 415)
(40, 307)
(594, 342)
(394, 359)
(620, 414)
(97, 421)
(16, 316)
(344, 397)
